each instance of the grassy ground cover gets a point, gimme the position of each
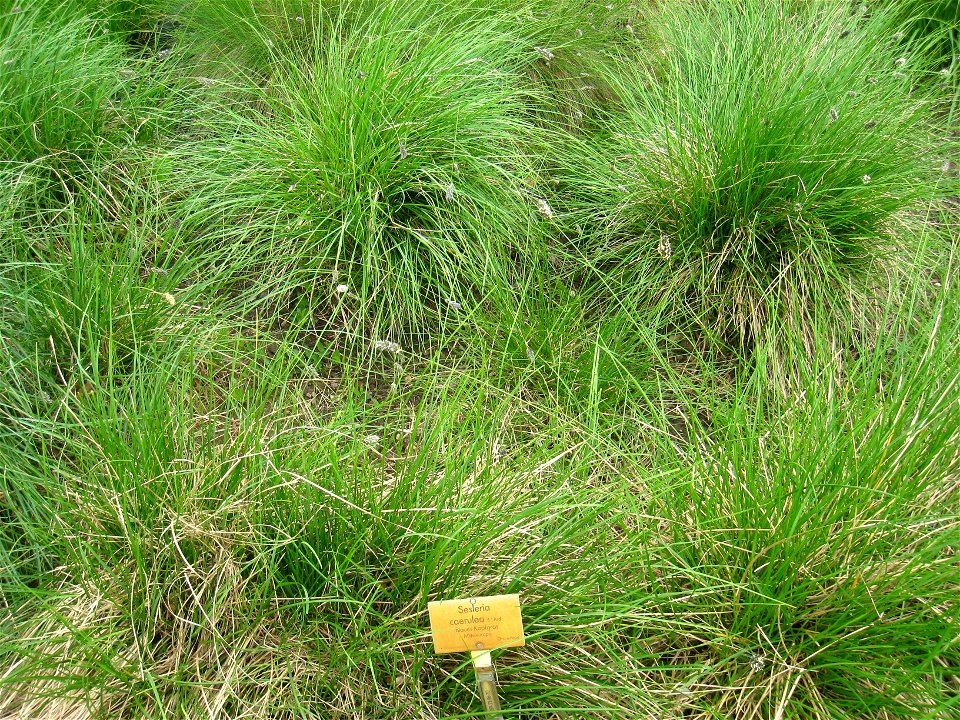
(313, 313)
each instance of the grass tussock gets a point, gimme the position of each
(75, 105)
(394, 160)
(761, 163)
(825, 534)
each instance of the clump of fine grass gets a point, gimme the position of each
(932, 29)
(94, 308)
(84, 306)
(567, 38)
(59, 83)
(24, 518)
(139, 25)
(760, 162)
(822, 538)
(74, 104)
(573, 40)
(284, 560)
(394, 161)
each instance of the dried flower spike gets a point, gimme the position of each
(531, 355)
(547, 55)
(544, 207)
(664, 247)
(387, 346)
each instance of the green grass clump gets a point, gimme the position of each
(568, 37)
(83, 308)
(94, 311)
(209, 526)
(932, 29)
(760, 161)
(829, 538)
(73, 106)
(25, 553)
(60, 84)
(573, 40)
(394, 160)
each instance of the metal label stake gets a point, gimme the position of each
(487, 682)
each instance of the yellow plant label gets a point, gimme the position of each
(480, 623)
